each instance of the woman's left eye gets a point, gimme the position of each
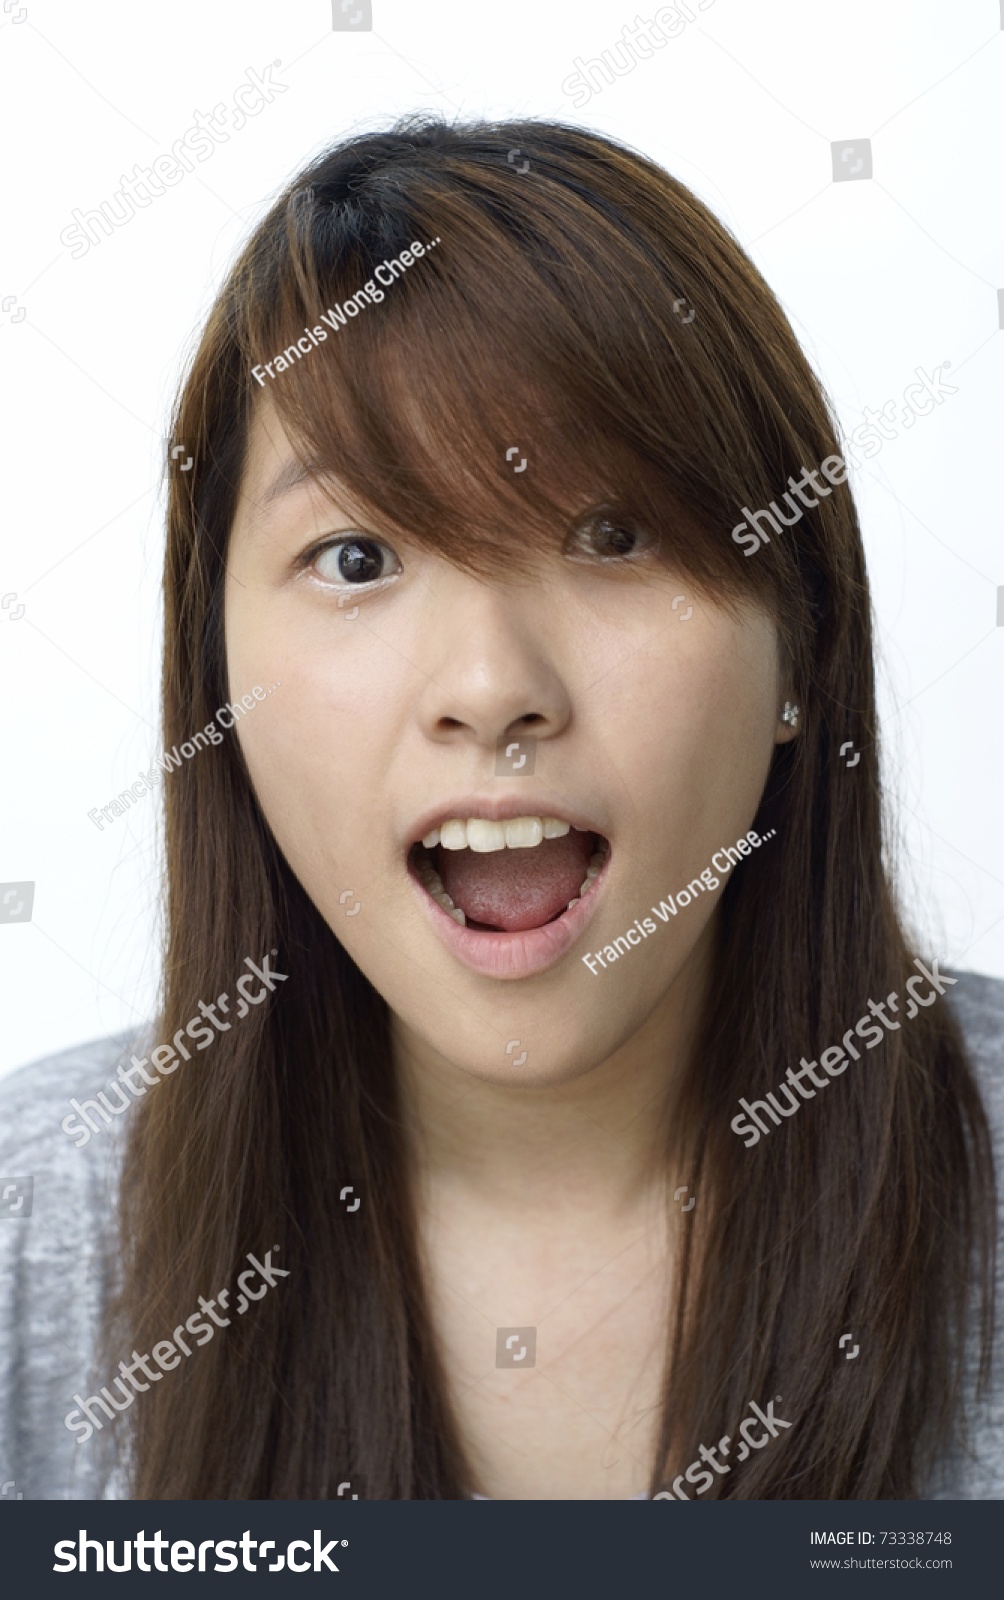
(355, 560)
(608, 536)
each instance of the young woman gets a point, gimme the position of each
(546, 1100)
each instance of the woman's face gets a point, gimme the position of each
(631, 730)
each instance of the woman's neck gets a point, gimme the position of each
(596, 1142)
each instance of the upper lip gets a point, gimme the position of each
(499, 808)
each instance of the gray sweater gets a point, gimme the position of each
(57, 1205)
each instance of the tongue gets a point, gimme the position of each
(513, 890)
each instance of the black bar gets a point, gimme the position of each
(525, 1550)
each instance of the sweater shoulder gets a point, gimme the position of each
(58, 1211)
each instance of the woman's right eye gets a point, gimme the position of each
(608, 537)
(355, 560)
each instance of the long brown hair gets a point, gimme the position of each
(555, 308)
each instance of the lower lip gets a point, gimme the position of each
(512, 955)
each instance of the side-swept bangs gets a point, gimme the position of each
(541, 324)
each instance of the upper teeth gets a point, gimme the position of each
(477, 833)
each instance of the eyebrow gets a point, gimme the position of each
(286, 479)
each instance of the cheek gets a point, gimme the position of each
(287, 750)
(689, 722)
(724, 721)
(316, 750)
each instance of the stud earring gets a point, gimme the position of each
(791, 713)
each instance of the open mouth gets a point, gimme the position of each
(508, 876)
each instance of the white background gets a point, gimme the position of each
(878, 277)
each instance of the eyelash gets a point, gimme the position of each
(592, 520)
(610, 518)
(308, 559)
